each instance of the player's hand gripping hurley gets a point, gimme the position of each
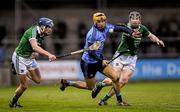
(94, 46)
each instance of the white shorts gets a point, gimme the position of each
(22, 65)
(125, 62)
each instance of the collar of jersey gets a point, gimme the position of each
(38, 29)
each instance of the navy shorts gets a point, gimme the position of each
(89, 69)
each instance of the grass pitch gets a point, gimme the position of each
(143, 96)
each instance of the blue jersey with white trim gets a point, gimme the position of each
(92, 36)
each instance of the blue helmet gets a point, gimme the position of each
(45, 22)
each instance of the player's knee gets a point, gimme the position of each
(124, 81)
(115, 79)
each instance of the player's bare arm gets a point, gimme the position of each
(156, 39)
(38, 49)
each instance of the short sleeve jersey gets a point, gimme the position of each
(24, 48)
(92, 36)
(129, 45)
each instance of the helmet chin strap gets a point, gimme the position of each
(42, 29)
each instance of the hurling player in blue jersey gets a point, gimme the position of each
(92, 61)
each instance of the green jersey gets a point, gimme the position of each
(24, 48)
(128, 45)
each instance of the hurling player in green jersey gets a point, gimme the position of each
(125, 63)
(23, 57)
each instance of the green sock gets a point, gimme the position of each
(106, 98)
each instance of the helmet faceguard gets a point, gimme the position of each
(134, 19)
(134, 14)
(98, 16)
